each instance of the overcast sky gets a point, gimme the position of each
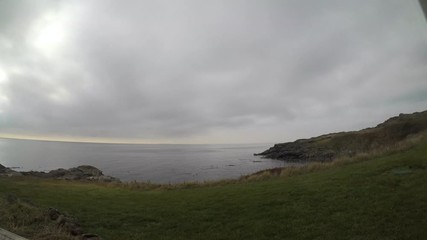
(226, 71)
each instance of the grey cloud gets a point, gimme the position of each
(188, 70)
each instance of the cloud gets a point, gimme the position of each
(218, 71)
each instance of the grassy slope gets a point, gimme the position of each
(383, 198)
(388, 134)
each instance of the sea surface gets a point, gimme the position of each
(157, 163)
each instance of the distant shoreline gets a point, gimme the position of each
(128, 143)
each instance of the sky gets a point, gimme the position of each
(212, 71)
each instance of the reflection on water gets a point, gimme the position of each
(158, 163)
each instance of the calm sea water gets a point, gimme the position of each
(162, 163)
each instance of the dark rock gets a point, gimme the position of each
(66, 222)
(299, 151)
(57, 173)
(76, 230)
(79, 173)
(75, 173)
(89, 236)
(2, 168)
(53, 214)
(4, 171)
(90, 171)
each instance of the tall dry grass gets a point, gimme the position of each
(309, 167)
(24, 218)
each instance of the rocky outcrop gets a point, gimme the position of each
(299, 151)
(327, 147)
(4, 171)
(82, 173)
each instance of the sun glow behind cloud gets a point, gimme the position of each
(3, 76)
(48, 34)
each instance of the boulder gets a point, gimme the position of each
(4, 171)
(89, 236)
(53, 213)
(90, 171)
(2, 168)
(66, 222)
(84, 172)
(57, 173)
(70, 176)
(74, 174)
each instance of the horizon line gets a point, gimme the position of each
(104, 140)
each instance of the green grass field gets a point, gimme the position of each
(380, 198)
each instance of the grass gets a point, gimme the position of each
(382, 197)
(24, 217)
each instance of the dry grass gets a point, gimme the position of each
(339, 161)
(25, 219)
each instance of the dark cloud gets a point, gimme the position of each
(216, 71)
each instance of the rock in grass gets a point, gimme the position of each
(53, 213)
(89, 236)
(68, 223)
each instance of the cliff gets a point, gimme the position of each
(327, 147)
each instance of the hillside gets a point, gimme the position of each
(388, 134)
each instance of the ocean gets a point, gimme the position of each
(157, 163)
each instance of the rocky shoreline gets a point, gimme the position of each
(80, 173)
(387, 135)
